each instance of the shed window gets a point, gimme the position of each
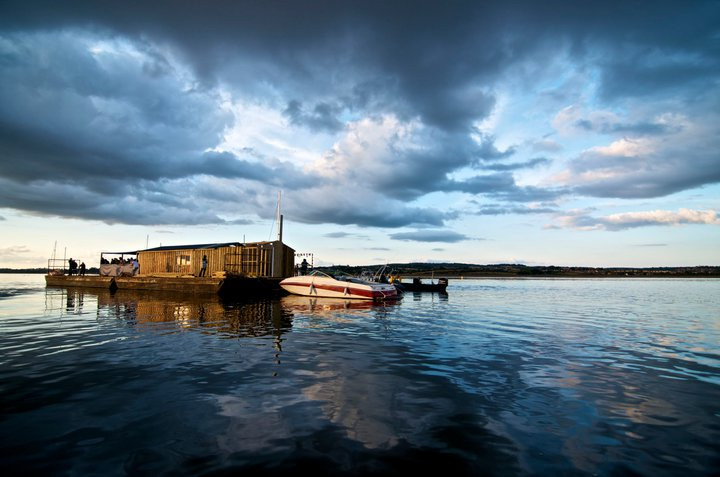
(182, 260)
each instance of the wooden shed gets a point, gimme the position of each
(256, 259)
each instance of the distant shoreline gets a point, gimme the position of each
(456, 271)
(518, 276)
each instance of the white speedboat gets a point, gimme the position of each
(321, 284)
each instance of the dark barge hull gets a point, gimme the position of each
(192, 285)
(85, 281)
(187, 285)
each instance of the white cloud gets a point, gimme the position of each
(13, 250)
(662, 217)
(581, 220)
(624, 147)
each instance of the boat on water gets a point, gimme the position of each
(320, 284)
(417, 285)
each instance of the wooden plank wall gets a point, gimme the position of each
(166, 261)
(285, 266)
(251, 259)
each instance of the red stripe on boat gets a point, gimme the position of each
(352, 291)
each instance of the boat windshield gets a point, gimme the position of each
(318, 273)
(348, 278)
(342, 278)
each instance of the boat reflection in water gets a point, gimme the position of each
(175, 311)
(172, 311)
(319, 305)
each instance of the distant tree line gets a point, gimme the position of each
(519, 270)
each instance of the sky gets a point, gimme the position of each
(544, 133)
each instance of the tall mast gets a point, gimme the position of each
(279, 218)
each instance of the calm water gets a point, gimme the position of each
(499, 377)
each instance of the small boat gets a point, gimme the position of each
(418, 285)
(320, 284)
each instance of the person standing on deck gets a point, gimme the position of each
(303, 267)
(203, 269)
(136, 266)
(82, 269)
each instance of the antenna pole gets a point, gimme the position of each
(280, 229)
(279, 217)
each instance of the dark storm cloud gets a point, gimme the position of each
(428, 58)
(643, 73)
(386, 214)
(538, 161)
(74, 116)
(138, 206)
(59, 158)
(487, 151)
(448, 236)
(105, 124)
(655, 173)
(531, 194)
(346, 235)
(504, 210)
(322, 116)
(75, 119)
(337, 234)
(642, 128)
(502, 186)
(483, 184)
(227, 165)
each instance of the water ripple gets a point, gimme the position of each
(528, 377)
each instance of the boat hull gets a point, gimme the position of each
(331, 288)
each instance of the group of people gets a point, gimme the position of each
(121, 270)
(74, 269)
(117, 261)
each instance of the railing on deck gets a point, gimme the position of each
(56, 266)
